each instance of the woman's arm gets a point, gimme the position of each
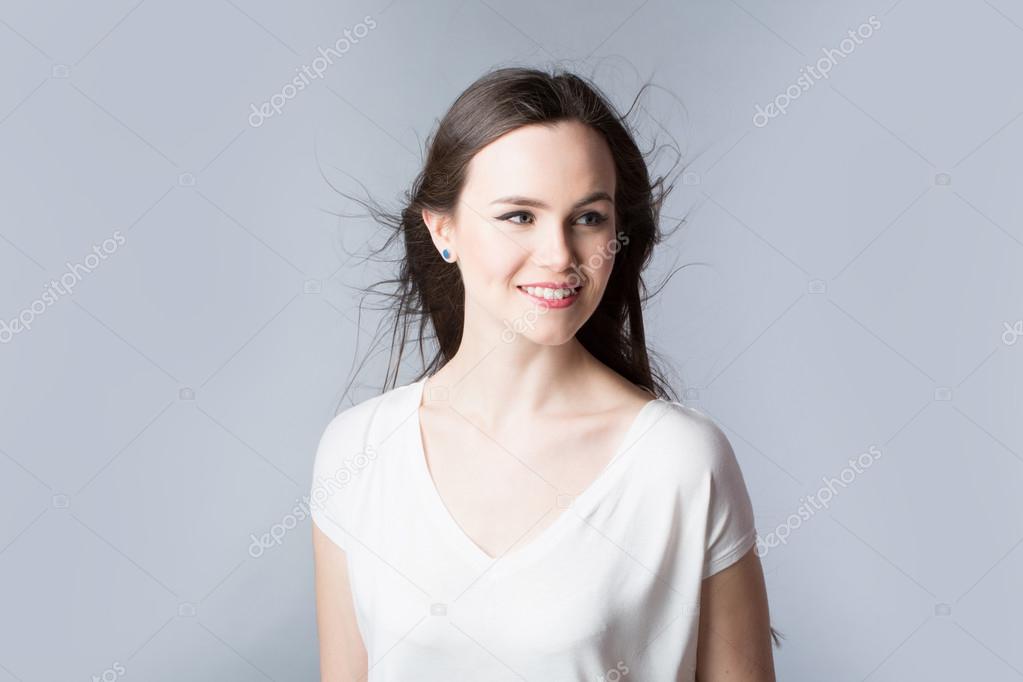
(735, 627)
(342, 652)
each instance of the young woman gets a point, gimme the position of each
(533, 507)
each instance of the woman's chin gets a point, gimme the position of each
(549, 337)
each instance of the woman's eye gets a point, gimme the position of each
(598, 218)
(509, 216)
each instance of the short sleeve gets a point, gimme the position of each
(332, 472)
(730, 524)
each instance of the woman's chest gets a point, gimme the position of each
(587, 598)
(505, 492)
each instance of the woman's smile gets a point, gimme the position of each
(551, 296)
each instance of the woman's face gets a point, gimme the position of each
(537, 210)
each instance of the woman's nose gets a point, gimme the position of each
(553, 250)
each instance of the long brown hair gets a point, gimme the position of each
(428, 291)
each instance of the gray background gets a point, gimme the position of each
(859, 285)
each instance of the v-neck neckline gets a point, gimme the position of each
(580, 504)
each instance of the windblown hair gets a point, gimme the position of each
(428, 292)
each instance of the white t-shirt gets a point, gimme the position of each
(609, 591)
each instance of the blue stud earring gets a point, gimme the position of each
(445, 254)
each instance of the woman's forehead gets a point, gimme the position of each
(544, 162)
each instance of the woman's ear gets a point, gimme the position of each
(440, 226)
(430, 220)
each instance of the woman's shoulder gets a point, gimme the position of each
(689, 440)
(369, 421)
(348, 462)
(348, 458)
(694, 458)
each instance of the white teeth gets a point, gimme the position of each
(544, 292)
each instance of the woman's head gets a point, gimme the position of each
(531, 178)
(534, 220)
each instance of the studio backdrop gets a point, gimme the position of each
(181, 310)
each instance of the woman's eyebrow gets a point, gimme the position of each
(536, 203)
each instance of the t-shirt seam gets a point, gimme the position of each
(331, 528)
(738, 549)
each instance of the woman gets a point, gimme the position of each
(533, 507)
